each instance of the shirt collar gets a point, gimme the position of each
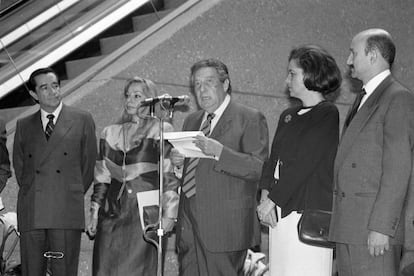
(56, 113)
(218, 112)
(373, 83)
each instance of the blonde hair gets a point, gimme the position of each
(150, 90)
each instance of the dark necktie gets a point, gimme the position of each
(50, 126)
(354, 108)
(189, 185)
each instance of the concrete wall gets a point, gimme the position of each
(253, 37)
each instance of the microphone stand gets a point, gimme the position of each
(160, 230)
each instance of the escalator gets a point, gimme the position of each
(67, 35)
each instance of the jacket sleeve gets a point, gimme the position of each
(254, 143)
(102, 173)
(267, 177)
(89, 152)
(18, 154)
(396, 165)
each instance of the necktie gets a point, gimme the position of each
(354, 108)
(50, 126)
(189, 185)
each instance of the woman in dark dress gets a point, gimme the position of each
(127, 164)
(299, 172)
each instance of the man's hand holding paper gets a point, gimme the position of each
(192, 144)
(208, 146)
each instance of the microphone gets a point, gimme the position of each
(184, 99)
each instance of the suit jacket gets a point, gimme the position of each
(4, 157)
(373, 167)
(226, 189)
(407, 262)
(54, 175)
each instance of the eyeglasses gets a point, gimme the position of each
(210, 83)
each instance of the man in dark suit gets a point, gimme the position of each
(217, 222)
(373, 165)
(4, 157)
(54, 155)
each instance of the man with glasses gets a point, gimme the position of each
(217, 221)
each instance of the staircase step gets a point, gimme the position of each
(110, 44)
(172, 4)
(78, 66)
(142, 22)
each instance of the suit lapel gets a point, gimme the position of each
(224, 123)
(37, 136)
(63, 124)
(361, 119)
(193, 125)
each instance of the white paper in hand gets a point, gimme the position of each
(183, 142)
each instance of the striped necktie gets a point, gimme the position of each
(50, 126)
(189, 185)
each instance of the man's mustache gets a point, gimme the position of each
(349, 70)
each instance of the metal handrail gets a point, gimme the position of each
(66, 41)
(11, 7)
(35, 22)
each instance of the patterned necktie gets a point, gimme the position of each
(189, 185)
(355, 107)
(50, 126)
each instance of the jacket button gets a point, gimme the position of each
(58, 171)
(129, 191)
(37, 171)
(353, 165)
(30, 156)
(343, 194)
(65, 153)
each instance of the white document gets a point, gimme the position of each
(183, 142)
(147, 198)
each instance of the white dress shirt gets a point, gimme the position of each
(372, 84)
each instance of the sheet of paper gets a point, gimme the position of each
(183, 142)
(147, 198)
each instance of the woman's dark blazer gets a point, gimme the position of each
(306, 147)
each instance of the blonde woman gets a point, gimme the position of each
(127, 164)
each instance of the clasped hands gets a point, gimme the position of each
(266, 210)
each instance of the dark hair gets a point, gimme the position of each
(220, 67)
(383, 42)
(320, 71)
(31, 83)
